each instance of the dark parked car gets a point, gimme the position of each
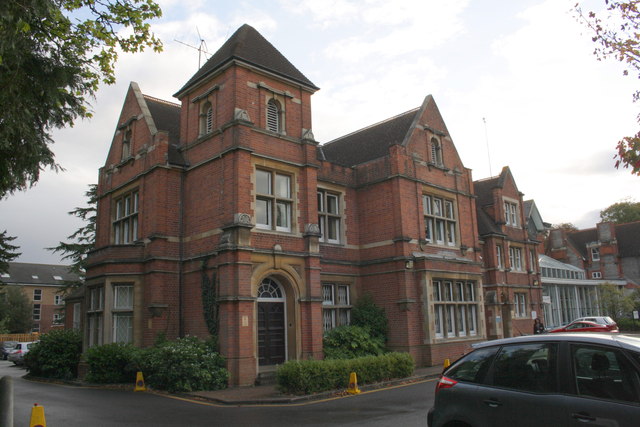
(6, 348)
(543, 380)
(586, 326)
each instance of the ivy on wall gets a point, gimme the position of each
(210, 300)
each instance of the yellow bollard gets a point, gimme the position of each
(446, 363)
(353, 384)
(37, 416)
(139, 382)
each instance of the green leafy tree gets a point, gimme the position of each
(7, 251)
(16, 311)
(567, 226)
(614, 302)
(53, 56)
(616, 32)
(367, 314)
(83, 239)
(621, 212)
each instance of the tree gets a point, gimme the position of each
(616, 31)
(7, 251)
(16, 311)
(83, 239)
(566, 226)
(621, 212)
(613, 301)
(53, 56)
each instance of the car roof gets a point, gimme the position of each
(632, 343)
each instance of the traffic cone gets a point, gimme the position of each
(353, 384)
(37, 416)
(139, 382)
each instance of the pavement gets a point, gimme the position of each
(270, 395)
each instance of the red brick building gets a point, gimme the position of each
(512, 233)
(44, 285)
(223, 215)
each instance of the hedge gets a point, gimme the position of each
(313, 376)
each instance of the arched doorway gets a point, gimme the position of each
(271, 323)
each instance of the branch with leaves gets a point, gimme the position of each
(53, 56)
(616, 31)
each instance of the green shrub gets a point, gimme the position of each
(313, 376)
(187, 364)
(56, 355)
(367, 314)
(112, 363)
(625, 324)
(348, 342)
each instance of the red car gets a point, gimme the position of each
(586, 326)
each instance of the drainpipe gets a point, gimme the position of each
(181, 257)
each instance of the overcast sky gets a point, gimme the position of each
(516, 82)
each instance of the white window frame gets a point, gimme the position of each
(515, 258)
(499, 257)
(329, 216)
(95, 316)
(57, 318)
(37, 294)
(58, 299)
(596, 275)
(336, 305)
(595, 253)
(511, 213)
(455, 308)
(122, 313)
(520, 304)
(277, 201)
(125, 218)
(440, 220)
(37, 312)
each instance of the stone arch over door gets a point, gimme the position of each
(271, 323)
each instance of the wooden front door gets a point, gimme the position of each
(271, 334)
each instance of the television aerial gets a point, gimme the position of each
(202, 48)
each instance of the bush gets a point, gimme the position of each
(368, 315)
(313, 376)
(56, 355)
(187, 364)
(348, 342)
(112, 363)
(626, 325)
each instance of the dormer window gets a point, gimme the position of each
(206, 118)
(436, 152)
(595, 254)
(274, 116)
(511, 214)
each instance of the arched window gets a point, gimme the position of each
(206, 118)
(436, 152)
(274, 116)
(269, 289)
(126, 144)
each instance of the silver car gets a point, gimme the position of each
(17, 354)
(572, 379)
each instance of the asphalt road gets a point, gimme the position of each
(71, 406)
